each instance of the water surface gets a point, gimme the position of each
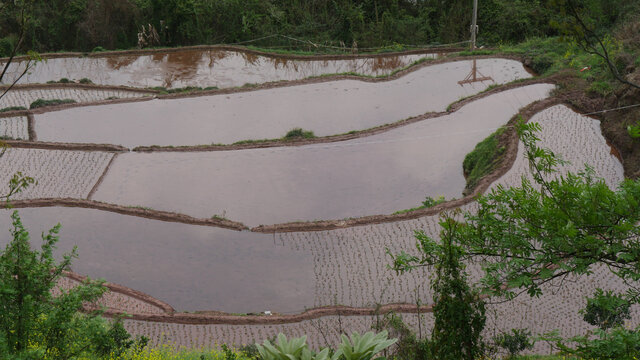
(373, 175)
(327, 108)
(201, 68)
(191, 267)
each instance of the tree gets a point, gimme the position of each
(458, 310)
(33, 322)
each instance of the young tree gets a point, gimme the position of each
(458, 310)
(32, 320)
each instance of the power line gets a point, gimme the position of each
(614, 109)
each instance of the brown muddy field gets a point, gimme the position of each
(203, 68)
(190, 267)
(326, 108)
(378, 174)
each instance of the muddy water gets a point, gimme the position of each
(201, 68)
(190, 267)
(325, 108)
(373, 175)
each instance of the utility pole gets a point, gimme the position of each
(474, 25)
(474, 75)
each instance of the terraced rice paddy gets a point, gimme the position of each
(187, 266)
(24, 97)
(348, 270)
(59, 173)
(203, 68)
(326, 108)
(322, 181)
(195, 267)
(557, 308)
(14, 127)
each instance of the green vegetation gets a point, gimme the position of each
(427, 203)
(298, 133)
(563, 226)
(42, 103)
(12, 108)
(327, 26)
(483, 159)
(364, 347)
(515, 342)
(606, 310)
(36, 324)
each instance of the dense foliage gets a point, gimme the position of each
(56, 25)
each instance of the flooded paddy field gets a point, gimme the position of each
(378, 174)
(557, 309)
(14, 127)
(206, 268)
(24, 97)
(190, 267)
(350, 267)
(59, 173)
(202, 68)
(326, 108)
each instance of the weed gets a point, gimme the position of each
(298, 133)
(42, 102)
(483, 159)
(12, 108)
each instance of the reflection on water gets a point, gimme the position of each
(379, 174)
(190, 267)
(202, 68)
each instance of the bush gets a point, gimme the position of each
(606, 310)
(619, 344)
(515, 342)
(541, 63)
(431, 202)
(299, 133)
(85, 81)
(42, 102)
(98, 49)
(65, 81)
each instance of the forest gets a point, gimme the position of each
(84, 25)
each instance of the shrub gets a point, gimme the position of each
(357, 347)
(431, 202)
(299, 133)
(64, 81)
(42, 102)
(514, 342)
(85, 81)
(541, 63)
(606, 310)
(98, 49)
(619, 344)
